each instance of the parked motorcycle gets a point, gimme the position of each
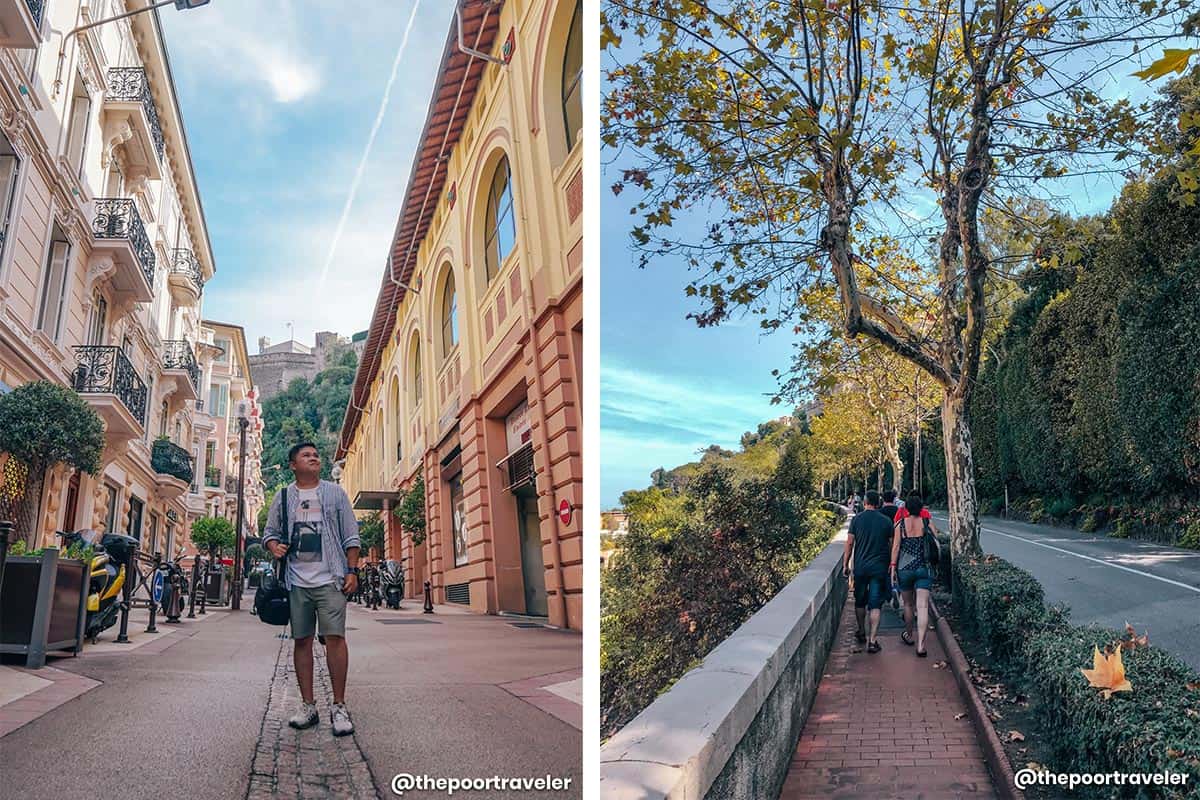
(392, 578)
(371, 589)
(110, 555)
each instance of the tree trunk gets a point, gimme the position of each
(891, 448)
(960, 478)
(28, 508)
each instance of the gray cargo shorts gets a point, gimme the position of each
(324, 604)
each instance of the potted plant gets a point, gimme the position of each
(43, 604)
(43, 424)
(212, 535)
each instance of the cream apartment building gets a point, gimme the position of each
(105, 255)
(469, 380)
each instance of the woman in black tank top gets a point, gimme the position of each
(911, 572)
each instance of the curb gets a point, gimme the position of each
(993, 750)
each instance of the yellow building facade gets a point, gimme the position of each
(470, 378)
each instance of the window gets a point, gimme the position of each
(572, 74)
(162, 427)
(458, 520)
(223, 346)
(99, 320)
(416, 373)
(397, 417)
(9, 170)
(54, 285)
(449, 316)
(110, 516)
(77, 126)
(501, 229)
(152, 536)
(218, 399)
(134, 521)
(171, 540)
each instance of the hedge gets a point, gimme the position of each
(1153, 728)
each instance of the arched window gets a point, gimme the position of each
(501, 227)
(572, 76)
(449, 316)
(416, 373)
(397, 417)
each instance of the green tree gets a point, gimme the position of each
(370, 533)
(43, 424)
(806, 123)
(410, 511)
(213, 535)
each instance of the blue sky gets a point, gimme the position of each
(279, 99)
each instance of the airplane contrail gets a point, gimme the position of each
(362, 164)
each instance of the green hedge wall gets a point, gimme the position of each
(1153, 728)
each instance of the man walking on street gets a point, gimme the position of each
(868, 541)
(321, 547)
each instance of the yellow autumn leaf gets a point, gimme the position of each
(1173, 60)
(1107, 673)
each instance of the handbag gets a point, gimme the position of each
(930, 546)
(271, 601)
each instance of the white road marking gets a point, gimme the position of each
(1187, 586)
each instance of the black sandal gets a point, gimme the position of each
(873, 647)
(922, 654)
(906, 637)
(860, 637)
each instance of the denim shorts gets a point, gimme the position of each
(920, 578)
(870, 590)
(323, 604)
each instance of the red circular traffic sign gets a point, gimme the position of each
(564, 512)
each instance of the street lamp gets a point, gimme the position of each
(243, 418)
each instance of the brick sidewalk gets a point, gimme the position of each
(883, 725)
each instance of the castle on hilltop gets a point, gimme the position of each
(275, 366)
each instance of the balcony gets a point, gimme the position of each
(118, 232)
(212, 478)
(173, 466)
(110, 385)
(20, 21)
(179, 363)
(186, 278)
(128, 101)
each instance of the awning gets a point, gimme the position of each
(373, 501)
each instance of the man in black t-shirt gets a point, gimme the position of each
(869, 542)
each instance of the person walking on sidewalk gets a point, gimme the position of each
(911, 571)
(324, 545)
(868, 541)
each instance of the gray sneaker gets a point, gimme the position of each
(342, 726)
(306, 717)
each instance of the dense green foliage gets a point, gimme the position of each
(1152, 728)
(1093, 395)
(370, 533)
(698, 562)
(43, 424)
(410, 511)
(213, 535)
(311, 412)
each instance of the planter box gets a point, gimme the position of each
(43, 607)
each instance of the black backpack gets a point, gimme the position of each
(271, 602)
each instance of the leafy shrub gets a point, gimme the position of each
(1061, 508)
(410, 511)
(1000, 605)
(695, 565)
(993, 506)
(1191, 536)
(1147, 729)
(1089, 522)
(1036, 511)
(1121, 529)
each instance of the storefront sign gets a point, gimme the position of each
(516, 427)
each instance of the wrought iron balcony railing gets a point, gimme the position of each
(178, 354)
(212, 477)
(118, 218)
(107, 370)
(36, 8)
(184, 262)
(129, 85)
(168, 458)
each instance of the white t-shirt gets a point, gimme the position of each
(307, 566)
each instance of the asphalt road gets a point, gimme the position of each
(1108, 581)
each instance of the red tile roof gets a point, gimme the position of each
(458, 79)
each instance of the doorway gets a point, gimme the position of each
(533, 567)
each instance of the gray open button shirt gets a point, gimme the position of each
(339, 533)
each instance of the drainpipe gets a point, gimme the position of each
(462, 47)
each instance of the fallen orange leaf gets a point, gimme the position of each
(1107, 673)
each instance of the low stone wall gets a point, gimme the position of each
(728, 728)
